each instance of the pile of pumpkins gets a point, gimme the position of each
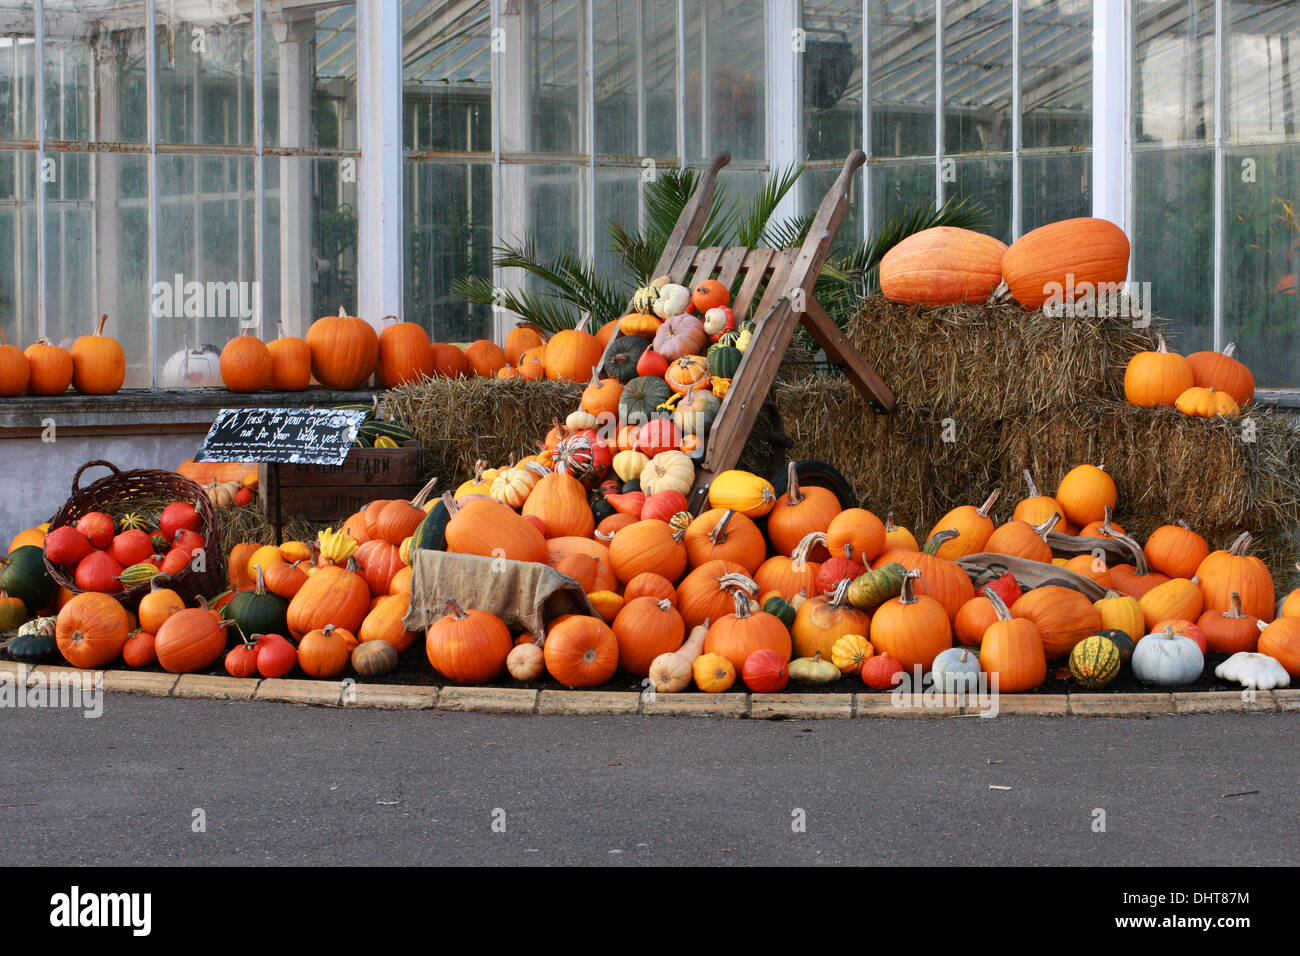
(1203, 384)
(93, 364)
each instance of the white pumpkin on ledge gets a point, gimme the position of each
(193, 368)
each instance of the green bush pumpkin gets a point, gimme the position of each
(724, 361)
(624, 353)
(24, 576)
(258, 611)
(641, 399)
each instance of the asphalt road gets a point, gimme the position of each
(282, 784)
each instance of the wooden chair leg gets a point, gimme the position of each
(832, 338)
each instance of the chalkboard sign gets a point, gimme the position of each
(317, 436)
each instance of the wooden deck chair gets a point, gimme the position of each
(787, 300)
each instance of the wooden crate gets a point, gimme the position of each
(332, 493)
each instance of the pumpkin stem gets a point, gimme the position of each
(665, 604)
(1168, 633)
(840, 596)
(328, 630)
(890, 526)
(450, 503)
(99, 326)
(259, 583)
(999, 606)
(1043, 529)
(422, 495)
(153, 582)
(1033, 488)
(342, 314)
(1235, 611)
(792, 495)
(938, 539)
(1139, 556)
(908, 595)
(1161, 346)
(719, 533)
(203, 602)
(1241, 545)
(742, 604)
(800, 552)
(1231, 348)
(457, 612)
(983, 510)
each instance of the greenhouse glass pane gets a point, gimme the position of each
(17, 69)
(815, 183)
(617, 193)
(1173, 71)
(1055, 187)
(898, 188)
(1262, 72)
(831, 65)
(448, 234)
(205, 75)
(309, 76)
(726, 58)
(1261, 262)
(986, 180)
(18, 316)
(1173, 240)
(556, 67)
(636, 78)
(902, 78)
(1055, 73)
(446, 77)
(977, 77)
(95, 72)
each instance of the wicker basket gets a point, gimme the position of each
(115, 492)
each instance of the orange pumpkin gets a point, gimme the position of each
(344, 350)
(325, 652)
(647, 546)
(486, 527)
(520, 339)
(1085, 493)
(942, 266)
(739, 634)
(468, 646)
(485, 357)
(572, 354)
(1281, 641)
(191, 640)
(650, 584)
(1235, 571)
(237, 562)
(290, 363)
(1157, 378)
(560, 501)
(973, 526)
(912, 628)
(384, 623)
(338, 596)
(1012, 650)
(1063, 617)
(1039, 263)
(379, 561)
(1175, 550)
(726, 534)
(581, 651)
(857, 534)
(974, 618)
(159, 604)
(1220, 370)
(448, 361)
(50, 368)
(404, 353)
(799, 512)
(601, 396)
(1020, 539)
(823, 620)
(791, 575)
(646, 628)
(91, 630)
(706, 593)
(246, 364)
(98, 362)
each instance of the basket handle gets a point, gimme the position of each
(76, 479)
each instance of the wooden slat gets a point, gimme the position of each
(777, 283)
(832, 338)
(754, 266)
(740, 408)
(705, 262)
(681, 266)
(690, 225)
(729, 264)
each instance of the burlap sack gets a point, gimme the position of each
(524, 594)
(984, 567)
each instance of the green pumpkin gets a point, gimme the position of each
(431, 533)
(258, 611)
(633, 485)
(136, 574)
(134, 521)
(36, 647)
(374, 658)
(602, 509)
(781, 609)
(624, 353)
(160, 544)
(1123, 643)
(724, 360)
(1094, 662)
(641, 399)
(873, 588)
(24, 576)
(696, 411)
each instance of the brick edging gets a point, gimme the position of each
(791, 706)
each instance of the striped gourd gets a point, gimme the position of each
(132, 521)
(383, 441)
(137, 574)
(1094, 662)
(431, 533)
(724, 360)
(375, 429)
(874, 588)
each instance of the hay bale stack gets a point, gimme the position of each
(460, 421)
(987, 361)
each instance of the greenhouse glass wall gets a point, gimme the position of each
(366, 155)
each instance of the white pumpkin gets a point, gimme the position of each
(193, 368)
(1167, 659)
(668, 471)
(1253, 670)
(956, 670)
(673, 300)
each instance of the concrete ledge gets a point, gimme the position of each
(1287, 698)
(49, 672)
(908, 705)
(1120, 705)
(9, 667)
(800, 706)
(696, 705)
(216, 688)
(392, 697)
(492, 700)
(137, 682)
(587, 702)
(319, 692)
(1224, 702)
(1053, 705)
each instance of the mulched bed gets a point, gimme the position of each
(413, 669)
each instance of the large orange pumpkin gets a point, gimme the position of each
(941, 266)
(1235, 571)
(560, 501)
(1157, 378)
(913, 628)
(581, 651)
(485, 358)
(1063, 617)
(246, 364)
(191, 640)
(571, 354)
(726, 534)
(520, 339)
(646, 628)
(384, 623)
(706, 593)
(1012, 650)
(799, 512)
(91, 630)
(739, 634)
(344, 351)
(647, 546)
(1281, 641)
(404, 353)
(468, 646)
(448, 361)
(15, 370)
(1221, 371)
(486, 527)
(338, 596)
(563, 551)
(1038, 263)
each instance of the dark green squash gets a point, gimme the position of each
(431, 533)
(25, 577)
(724, 360)
(601, 509)
(641, 399)
(35, 648)
(258, 611)
(633, 485)
(1123, 643)
(624, 353)
(781, 609)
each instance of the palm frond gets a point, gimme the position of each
(788, 233)
(543, 310)
(752, 222)
(571, 279)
